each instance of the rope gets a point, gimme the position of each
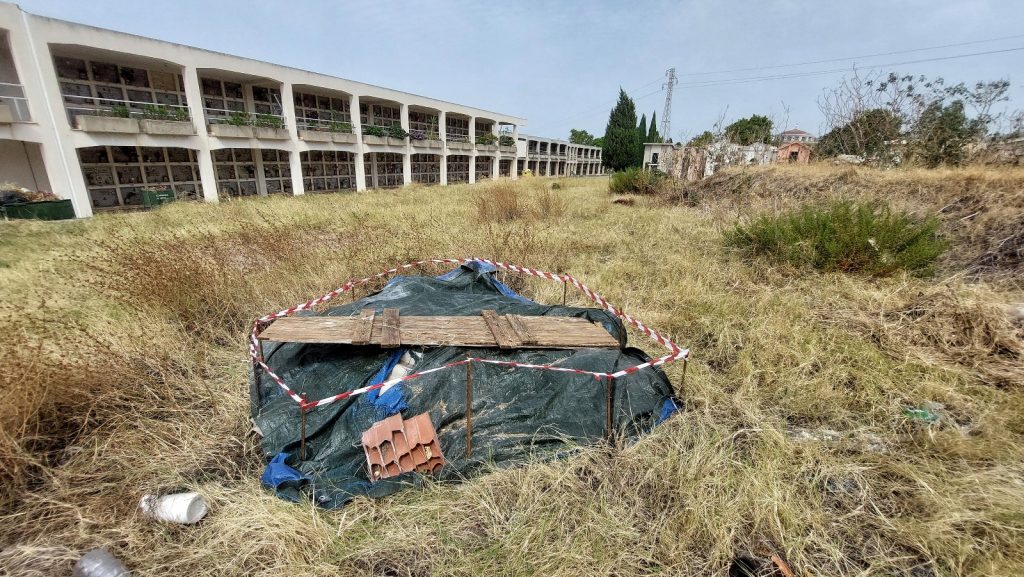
(675, 352)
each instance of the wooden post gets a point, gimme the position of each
(608, 399)
(682, 381)
(302, 443)
(256, 370)
(565, 288)
(302, 428)
(469, 409)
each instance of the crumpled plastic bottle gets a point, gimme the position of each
(99, 563)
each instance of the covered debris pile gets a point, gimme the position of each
(516, 411)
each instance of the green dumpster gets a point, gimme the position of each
(154, 197)
(43, 210)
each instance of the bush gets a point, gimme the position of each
(549, 204)
(500, 201)
(635, 181)
(844, 237)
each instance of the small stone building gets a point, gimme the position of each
(793, 153)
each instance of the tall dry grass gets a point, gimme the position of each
(125, 344)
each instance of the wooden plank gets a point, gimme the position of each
(521, 330)
(391, 336)
(462, 331)
(502, 336)
(311, 330)
(364, 328)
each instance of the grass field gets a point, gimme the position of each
(124, 373)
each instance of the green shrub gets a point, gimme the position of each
(845, 237)
(268, 121)
(635, 181)
(396, 131)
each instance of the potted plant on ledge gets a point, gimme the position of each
(507, 144)
(487, 142)
(159, 119)
(238, 125)
(116, 119)
(396, 135)
(373, 134)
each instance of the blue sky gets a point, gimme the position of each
(560, 64)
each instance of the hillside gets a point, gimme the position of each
(125, 374)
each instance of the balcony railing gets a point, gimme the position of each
(85, 106)
(240, 118)
(13, 95)
(323, 124)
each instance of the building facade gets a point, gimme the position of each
(553, 157)
(97, 116)
(796, 135)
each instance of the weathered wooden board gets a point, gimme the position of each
(390, 330)
(487, 330)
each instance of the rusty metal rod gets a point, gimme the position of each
(469, 409)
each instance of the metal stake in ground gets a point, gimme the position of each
(302, 420)
(469, 409)
(608, 400)
(682, 381)
(565, 287)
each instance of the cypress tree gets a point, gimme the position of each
(621, 136)
(641, 135)
(652, 134)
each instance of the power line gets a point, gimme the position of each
(908, 51)
(606, 104)
(726, 81)
(806, 74)
(752, 79)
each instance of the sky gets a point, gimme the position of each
(560, 64)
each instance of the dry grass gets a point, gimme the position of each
(125, 374)
(981, 208)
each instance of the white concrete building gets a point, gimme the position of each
(97, 116)
(553, 157)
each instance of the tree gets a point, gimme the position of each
(652, 131)
(599, 142)
(867, 135)
(703, 139)
(747, 131)
(641, 135)
(942, 133)
(581, 137)
(621, 138)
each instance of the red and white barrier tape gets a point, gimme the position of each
(675, 351)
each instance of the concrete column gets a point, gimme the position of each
(294, 160)
(442, 131)
(407, 156)
(496, 159)
(357, 129)
(514, 170)
(261, 178)
(42, 89)
(295, 166)
(207, 176)
(373, 172)
(472, 153)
